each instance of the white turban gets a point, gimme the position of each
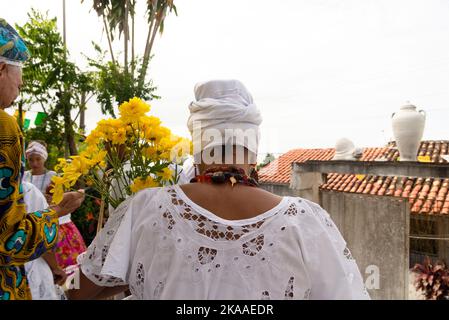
(224, 106)
(36, 148)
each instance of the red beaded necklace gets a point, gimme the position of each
(223, 174)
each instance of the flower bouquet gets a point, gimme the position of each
(122, 156)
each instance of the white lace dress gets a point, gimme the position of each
(167, 247)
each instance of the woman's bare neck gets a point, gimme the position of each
(231, 203)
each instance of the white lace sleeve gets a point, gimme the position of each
(333, 271)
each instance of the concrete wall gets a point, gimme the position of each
(285, 190)
(279, 189)
(376, 229)
(307, 184)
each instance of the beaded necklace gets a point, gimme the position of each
(223, 174)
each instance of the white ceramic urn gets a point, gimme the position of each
(408, 128)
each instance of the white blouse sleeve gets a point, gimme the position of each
(107, 260)
(333, 271)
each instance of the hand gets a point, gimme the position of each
(59, 276)
(70, 202)
(49, 197)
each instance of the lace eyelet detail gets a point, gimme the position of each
(347, 254)
(253, 246)
(206, 255)
(265, 295)
(289, 291)
(205, 226)
(292, 210)
(307, 294)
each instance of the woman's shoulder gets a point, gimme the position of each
(9, 125)
(143, 199)
(307, 206)
(7, 121)
(149, 194)
(308, 214)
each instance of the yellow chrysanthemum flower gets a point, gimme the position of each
(61, 164)
(119, 137)
(81, 164)
(98, 158)
(143, 183)
(180, 149)
(94, 137)
(133, 110)
(150, 153)
(58, 188)
(166, 174)
(58, 194)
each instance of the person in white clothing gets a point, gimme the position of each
(41, 274)
(220, 236)
(36, 154)
(70, 241)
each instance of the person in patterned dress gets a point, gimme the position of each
(23, 237)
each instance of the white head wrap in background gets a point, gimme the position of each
(221, 105)
(36, 148)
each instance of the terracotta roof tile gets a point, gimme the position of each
(392, 187)
(445, 209)
(279, 170)
(426, 196)
(407, 189)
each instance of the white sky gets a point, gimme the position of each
(318, 69)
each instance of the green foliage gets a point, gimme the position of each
(86, 216)
(115, 12)
(268, 158)
(51, 81)
(117, 82)
(113, 85)
(55, 143)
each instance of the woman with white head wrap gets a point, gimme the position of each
(220, 237)
(224, 114)
(38, 175)
(70, 242)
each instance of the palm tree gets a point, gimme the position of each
(119, 15)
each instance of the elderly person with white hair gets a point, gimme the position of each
(220, 236)
(23, 237)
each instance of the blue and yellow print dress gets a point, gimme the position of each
(23, 237)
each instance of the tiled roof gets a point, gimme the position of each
(426, 195)
(279, 170)
(432, 149)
